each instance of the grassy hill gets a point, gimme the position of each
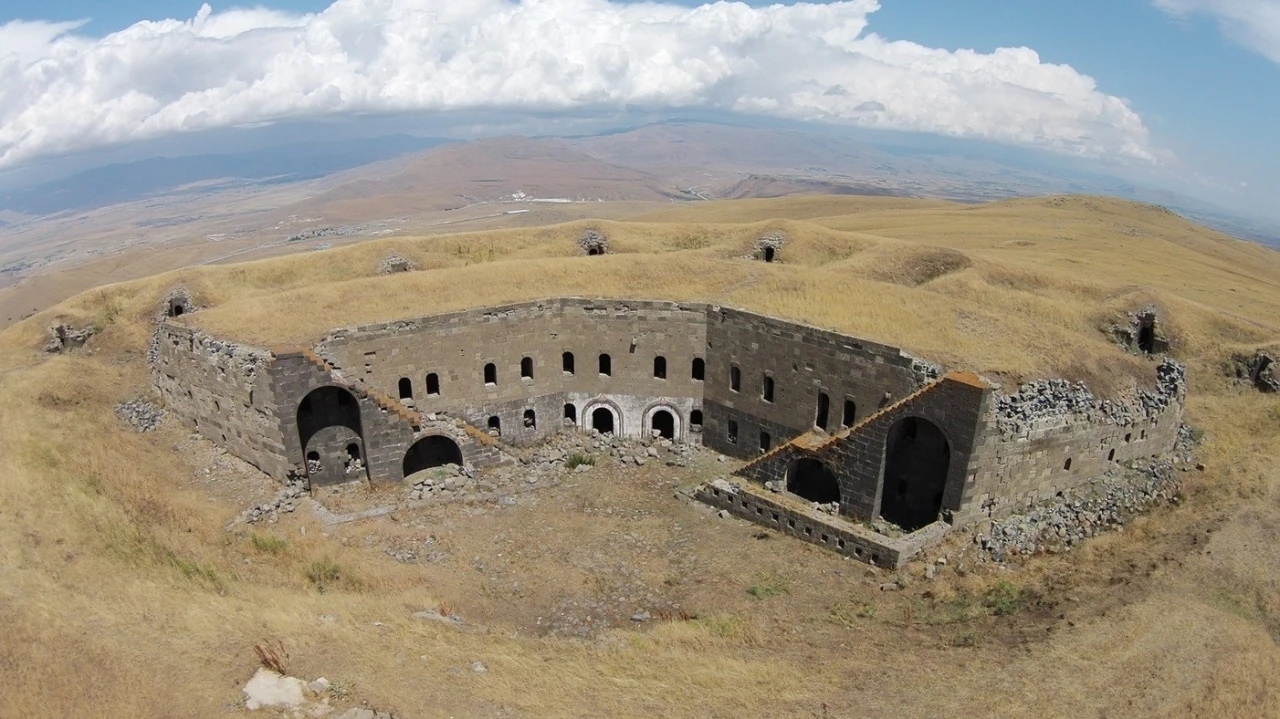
(122, 593)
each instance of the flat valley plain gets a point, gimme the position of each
(128, 589)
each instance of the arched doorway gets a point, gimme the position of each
(664, 423)
(328, 425)
(602, 420)
(917, 458)
(810, 478)
(432, 451)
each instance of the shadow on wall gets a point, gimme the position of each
(331, 437)
(917, 458)
(812, 480)
(429, 452)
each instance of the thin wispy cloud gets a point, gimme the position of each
(61, 92)
(1254, 24)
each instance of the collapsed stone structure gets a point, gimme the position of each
(844, 430)
(1262, 370)
(593, 243)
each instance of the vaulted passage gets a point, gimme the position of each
(428, 452)
(917, 458)
(602, 420)
(328, 425)
(809, 478)
(664, 424)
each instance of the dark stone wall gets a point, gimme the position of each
(221, 390)
(957, 405)
(803, 362)
(457, 346)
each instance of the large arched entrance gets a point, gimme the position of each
(432, 451)
(810, 479)
(663, 423)
(330, 436)
(917, 458)
(602, 420)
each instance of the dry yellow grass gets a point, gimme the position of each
(121, 594)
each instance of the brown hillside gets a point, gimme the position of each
(124, 593)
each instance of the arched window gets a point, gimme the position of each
(765, 441)
(526, 368)
(406, 388)
(491, 373)
(695, 420)
(530, 419)
(732, 432)
(606, 365)
(570, 414)
(699, 369)
(566, 362)
(735, 378)
(824, 409)
(846, 419)
(433, 384)
(766, 389)
(660, 367)
(495, 425)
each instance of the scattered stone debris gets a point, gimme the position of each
(395, 263)
(1262, 370)
(768, 246)
(1099, 506)
(140, 413)
(286, 501)
(64, 337)
(593, 243)
(1141, 332)
(1055, 402)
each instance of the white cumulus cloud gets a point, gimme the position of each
(61, 92)
(1252, 23)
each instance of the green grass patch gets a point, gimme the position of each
(325, 573)
(577, 459)
(268, 544)
(770, 585)
(1004, 599)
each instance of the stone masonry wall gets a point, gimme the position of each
(1052, 437)
(802, 361)
(223, 391)
(456, 347)
(956, 405)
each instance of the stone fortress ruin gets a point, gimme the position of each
(837, 432)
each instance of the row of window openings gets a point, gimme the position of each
(1111, 455)
(791, 524)
(698, 372)
(571, 414)
(766, 441)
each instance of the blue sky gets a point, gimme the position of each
(1206, 93)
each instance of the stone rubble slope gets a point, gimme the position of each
(1105, 504)
(1058, 401)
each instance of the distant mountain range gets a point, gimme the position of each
(400, 176)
